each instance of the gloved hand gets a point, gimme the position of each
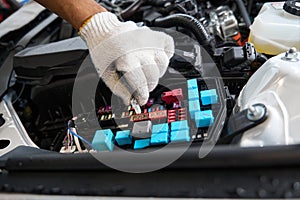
(119, 48)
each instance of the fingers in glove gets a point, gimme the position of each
(151, 71)
(166, 42)
(169, 46)
(115, 84)
(137, 85)
(131, 69)
(162, 61)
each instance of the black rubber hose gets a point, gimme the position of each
(190, 23)
(243, 12)
(261, 58)
(132, 9)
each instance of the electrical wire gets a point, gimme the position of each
(81, 138)
(77, 143)
(20, 94)
(74, 133)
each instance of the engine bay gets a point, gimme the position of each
(195, 102)
(222, 122)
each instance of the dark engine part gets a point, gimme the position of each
(51, 106)
(48, 71)
(38, 65)
(190, 23)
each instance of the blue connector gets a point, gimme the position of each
(123, 137)
(179, 125)
(204, 118)
(180, 136)
(103, 140)
(194, 106)
(140, 144)
(209, 97)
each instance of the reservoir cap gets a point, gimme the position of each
(292, 7)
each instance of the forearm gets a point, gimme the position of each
(73, 11)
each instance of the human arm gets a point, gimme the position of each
(76, 12)
(128, 58)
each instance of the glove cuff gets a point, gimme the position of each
(99, 27)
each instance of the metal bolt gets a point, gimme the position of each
(256, 112)
(291, 55)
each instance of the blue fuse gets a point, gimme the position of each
(192, 84)
(160, 128)
(160, 134)
(103, 140)
(193, 94)
(180, 136)
(179, 125)
(209, 97)
(194, 106)
(159, 138)
(140, 144)
(204, 118)
(123, 137)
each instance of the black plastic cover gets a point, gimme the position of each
(39, 64)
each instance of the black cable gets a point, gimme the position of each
(180, 8)
(190, 23)
(243, 12)
(132, 9)
(158, 3)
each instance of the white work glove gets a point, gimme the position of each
(119, 48)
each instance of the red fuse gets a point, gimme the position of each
(182, 114)
(172, 96)
(182, 110)
(171, 116)
(181, 117)
(171, 112)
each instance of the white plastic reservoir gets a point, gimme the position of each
(276, 28)
(276, 85)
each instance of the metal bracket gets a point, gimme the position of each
(245, 120)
